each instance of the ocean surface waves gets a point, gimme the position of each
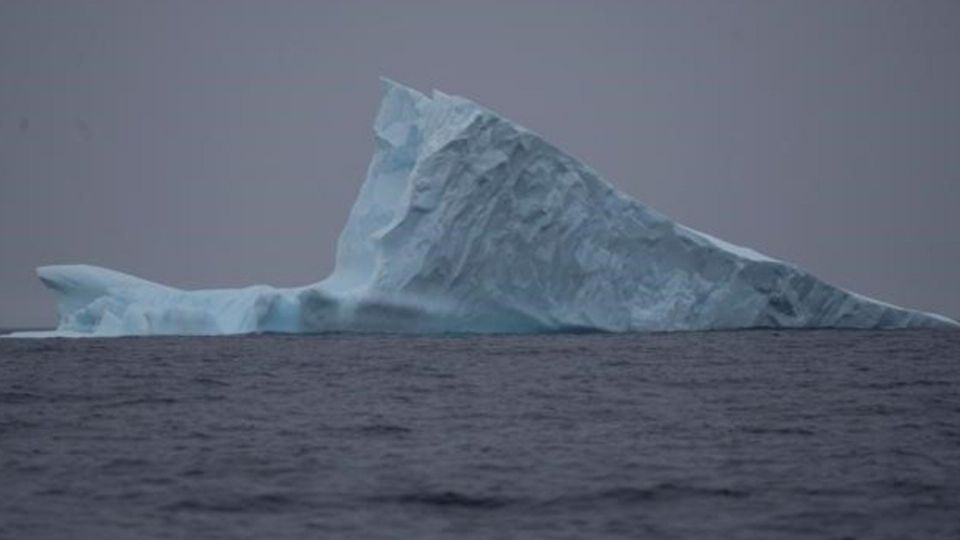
(759, 434)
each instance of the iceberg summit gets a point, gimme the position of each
(468, 222)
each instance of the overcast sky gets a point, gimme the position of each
(212, 144)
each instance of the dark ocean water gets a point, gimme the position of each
(759, 434)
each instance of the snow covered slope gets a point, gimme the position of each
(468, 222)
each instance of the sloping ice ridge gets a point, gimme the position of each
(468, 222)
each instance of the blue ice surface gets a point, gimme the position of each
(467, 222)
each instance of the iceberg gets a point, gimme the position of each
(468, 222)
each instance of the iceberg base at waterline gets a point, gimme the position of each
(470, 223)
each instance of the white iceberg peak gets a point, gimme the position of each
(468, 222)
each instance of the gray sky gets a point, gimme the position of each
(209, 144)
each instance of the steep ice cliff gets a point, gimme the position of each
(468, 222)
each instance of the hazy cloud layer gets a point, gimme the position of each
(206, 144)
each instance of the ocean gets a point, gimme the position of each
(751, 434)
